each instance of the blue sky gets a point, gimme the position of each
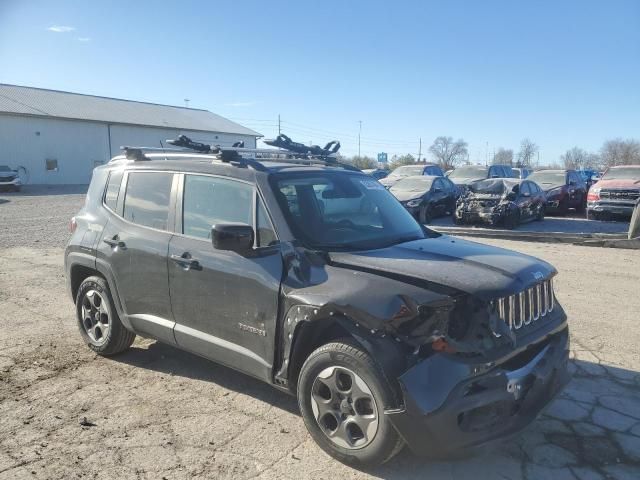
(561, 73)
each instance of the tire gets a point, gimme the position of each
(98, 321)
(513, 220)
(322, 380)
(582, 205)
(563, 207)
(425, 215)
(458, 220)
(540, 215)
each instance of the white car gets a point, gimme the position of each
(9, 179)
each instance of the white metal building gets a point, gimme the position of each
(59, 137)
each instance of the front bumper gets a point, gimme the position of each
(451, 404)
(487, 215)
(615, 207)
(14, 182)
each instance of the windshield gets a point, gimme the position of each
(413, 184)
(622, 173)
(4, 168)
(548, 178)
(469, 171)
(407, 171)
(494, 187)
(338, 211)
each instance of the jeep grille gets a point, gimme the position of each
(527, 306)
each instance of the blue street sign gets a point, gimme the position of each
(382, 157)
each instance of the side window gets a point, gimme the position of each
(113, 189)
(493, 172)
(264, 229)
(211, 200)
(438, 184)
(146, 201)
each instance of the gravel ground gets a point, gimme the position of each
(155, 412)
(38, 216)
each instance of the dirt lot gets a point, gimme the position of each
(155, 412)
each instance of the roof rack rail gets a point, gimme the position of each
(289, 152)
(237, 155)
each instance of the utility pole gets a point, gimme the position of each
(186, 102)
(359, 132)
(420, 150)
(278, 124)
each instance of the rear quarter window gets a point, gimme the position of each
(113, 190)
(147, 199)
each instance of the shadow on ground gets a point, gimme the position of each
(592, 430)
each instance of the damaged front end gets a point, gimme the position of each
(483, 208)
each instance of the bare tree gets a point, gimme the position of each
(503, 157)
(528, 149)
(620, 152)
(363, 162)
(398, 161)
(448, 153)
(574, 158)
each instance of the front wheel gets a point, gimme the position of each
(425, 215)
(98, 321)
(342, 394)
(512, 220)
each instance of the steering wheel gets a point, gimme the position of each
(346, 223)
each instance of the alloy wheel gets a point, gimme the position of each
(344, 407)
(96, 317)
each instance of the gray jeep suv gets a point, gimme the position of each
(309, 275)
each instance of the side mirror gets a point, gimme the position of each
(495, 175)
(236, 237)
(511, 196)
(573, 183)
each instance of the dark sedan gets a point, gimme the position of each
(500, 201)
(565, 189)
(426, 196)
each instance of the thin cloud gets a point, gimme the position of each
(241, 104)
(60, 29)
(84, 39)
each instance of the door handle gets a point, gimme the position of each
(186, 261)
(115, 243)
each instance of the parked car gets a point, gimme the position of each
(589, 177)
(615, 193)
(502, 201)
(376, 173)
(411, 170)
(564, 189)
(467, 174)
(314, 279)
(521, 172)
(9, 179)
(426, 197)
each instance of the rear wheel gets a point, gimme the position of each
(582, 205)
(342, 394)
(98, 321)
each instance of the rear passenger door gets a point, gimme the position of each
(224, 303)
(132, 252)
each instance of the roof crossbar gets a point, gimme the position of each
(237, 155)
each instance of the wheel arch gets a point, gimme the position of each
(301, 336)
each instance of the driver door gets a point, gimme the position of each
(224, 303)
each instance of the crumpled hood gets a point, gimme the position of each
(481, 270)
(466, 181)
(389, 181)
(404, 195)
